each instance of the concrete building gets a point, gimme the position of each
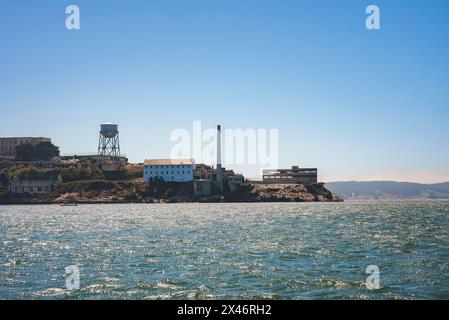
(227, 176)
(218, 177)
(8, 145)
(110, 165)
(35, 183)
(202, 187)
(293, 175)
(235, 179)
(170, 170)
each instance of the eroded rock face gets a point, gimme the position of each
(116, 191)
(294, 193)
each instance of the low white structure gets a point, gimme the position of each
(170, 170)
(35, 183)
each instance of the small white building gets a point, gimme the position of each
(170, 170)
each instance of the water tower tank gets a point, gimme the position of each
(109, 130)
(109, 142)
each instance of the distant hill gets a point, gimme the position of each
(352, 190)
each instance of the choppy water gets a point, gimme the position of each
(226, 251)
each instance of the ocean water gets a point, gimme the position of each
(226, 251)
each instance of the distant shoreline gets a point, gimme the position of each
(378, 190)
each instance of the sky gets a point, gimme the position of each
(357, 104)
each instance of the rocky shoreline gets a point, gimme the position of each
(103, 192)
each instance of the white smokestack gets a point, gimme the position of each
(218, 146)
(219, 169)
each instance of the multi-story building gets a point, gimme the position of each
(35, 183)
(170, 170)
(8, 145)
(228, 176)
(293, 175)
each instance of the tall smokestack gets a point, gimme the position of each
(219, 168)
(218, 146)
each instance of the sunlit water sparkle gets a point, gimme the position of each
(226, 251)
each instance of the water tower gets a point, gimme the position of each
(109, 143)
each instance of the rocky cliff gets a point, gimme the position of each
(104, 191)
(314, 192)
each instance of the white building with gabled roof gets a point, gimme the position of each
(170, 170)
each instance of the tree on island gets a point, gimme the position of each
(43, 151)
(46, 151)
(24, 152)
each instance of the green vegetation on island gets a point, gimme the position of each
(43, 151)
(86, 182)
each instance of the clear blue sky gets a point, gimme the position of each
(355, 103)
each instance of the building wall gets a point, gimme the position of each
(8, 145)
(170, 173)
(294, 175)
(110, 165)
(33, 187)
(202, 187)
(282, 180)
(235, 179)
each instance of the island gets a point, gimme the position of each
(88, 183)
